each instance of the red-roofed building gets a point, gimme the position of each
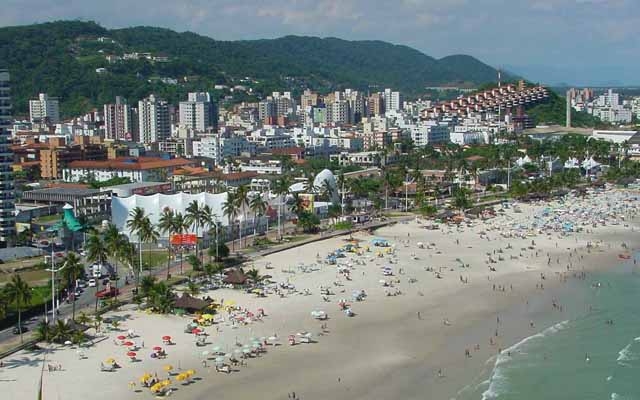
(139, 169)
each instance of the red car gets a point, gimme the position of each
(106, 293)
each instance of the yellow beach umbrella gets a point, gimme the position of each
(168, 368)
(110, 360)
(181, 377)
(157, 387)
(191, 372)
(166, 382)
(207, 316)
(145, 377)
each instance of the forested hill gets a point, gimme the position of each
(61, 58)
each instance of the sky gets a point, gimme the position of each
(573, 41)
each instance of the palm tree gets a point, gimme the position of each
(180, 226)
(148, 232)
(259, 207)
(96, 253)
(134, 223)
(193, 288)
(73, 270)
(230, 210)
(161, 298)
(146, 285)
(242, 199)
(196, 264)
(194, 216)
(114, 241)
(281, 189)
(166, 225)
(254, 275)
(127, 255)
(19, 293)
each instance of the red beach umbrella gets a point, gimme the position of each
(122, 337)
(196, 331)
(166, 338)
(128, 344)
(131, 354)
(157, 348)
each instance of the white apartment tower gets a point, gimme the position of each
(392, 100)
(153, 115)
(198, 113)
(7, 195)
(44, 107)
(118, 121)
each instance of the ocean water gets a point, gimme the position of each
(581, 357)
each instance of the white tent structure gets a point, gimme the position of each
(154, 205)
(523, 160)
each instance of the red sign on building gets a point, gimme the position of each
(184, 239)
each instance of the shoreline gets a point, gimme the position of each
(386, 350)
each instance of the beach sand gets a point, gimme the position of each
(393, 347)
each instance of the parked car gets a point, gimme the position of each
(16, 330)
(92, 283)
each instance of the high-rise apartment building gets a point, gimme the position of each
(198, 113)
(392, 100)
(119, 123)
(375, 105)
(7, 195)
(267, 111)
(44, 107)
(308, 99)
(357, 106)
(153, 115)
(285, 104)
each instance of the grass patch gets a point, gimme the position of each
(49, 218)
(30, 276)
(343, 225)
(155, 258)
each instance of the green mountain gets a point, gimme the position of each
(61, 58)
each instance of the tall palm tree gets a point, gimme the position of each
(114, 241)
(96, 253)
(166, 225)
(148, 232)
(134, 223)
(18, 292)
(194, 216)
(230, 210)
(259, 207)
(281, 189)
(180, 226)
(242, 200)
(72, 271)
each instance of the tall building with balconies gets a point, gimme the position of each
(7, 195)
(119, 122)
(153, 115)
(199, 112)
(44, 108)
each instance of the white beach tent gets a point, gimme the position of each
(154, 205)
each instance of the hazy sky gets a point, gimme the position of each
(586, 37)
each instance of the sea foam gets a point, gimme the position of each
(498, 380)
(626, 354)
